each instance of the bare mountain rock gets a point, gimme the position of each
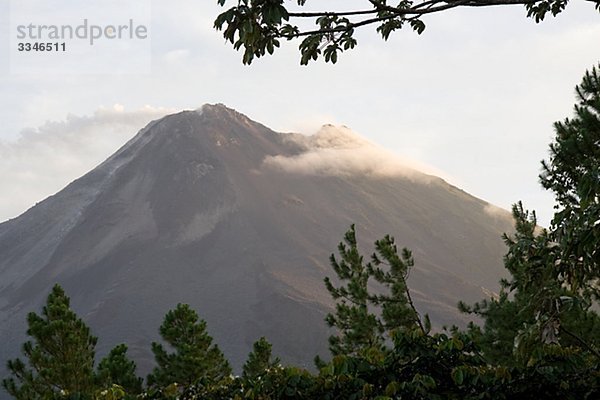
(210, 208)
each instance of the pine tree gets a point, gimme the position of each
(60, 356)
(117, 369)
(259, 360)
(555, 272)
(194, 359)
(572, 174)
(511, 331)
(391, 270)
(358, 328)
(367, 316)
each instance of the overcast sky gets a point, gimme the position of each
(474, 96)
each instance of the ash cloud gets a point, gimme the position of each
(338, 151)
(45, 159)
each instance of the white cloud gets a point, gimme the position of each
(45, 159)
(178, 56)
(339, 151)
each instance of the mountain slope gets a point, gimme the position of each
(212, 209)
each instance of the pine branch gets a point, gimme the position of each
(416, 313)
(581, 341)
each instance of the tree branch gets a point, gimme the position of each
(329, 13)
(426, 7)
(258, 27)
(581, 341)
(417, 316)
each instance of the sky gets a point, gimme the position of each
(474, 97)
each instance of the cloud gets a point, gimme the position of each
(497, 212)
(45, 159)
(338, 151)
(179, 56)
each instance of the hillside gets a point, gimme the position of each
(210, 208)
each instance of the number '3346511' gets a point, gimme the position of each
(37, 46)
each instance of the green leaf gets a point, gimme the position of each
(458, 376)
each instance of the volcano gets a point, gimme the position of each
(210, 208)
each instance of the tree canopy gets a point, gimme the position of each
(258, 26)
(194, 358)
(117, 369)
(554, 284)
(365, 319)
(60, 359)
(60, 356)
(259, 360)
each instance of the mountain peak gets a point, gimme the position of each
(221, 111)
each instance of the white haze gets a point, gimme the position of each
(338, 151)
(44, 160)
(497, 212)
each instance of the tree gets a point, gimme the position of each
(364, 316)
(195, 357)
(384, 350)
(397, 308)
(358, 327)
(117, 369)
(259, 25)
(60, 356)
(572, 174)
(259, 360)
(554, 273)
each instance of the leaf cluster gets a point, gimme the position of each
(258, 25)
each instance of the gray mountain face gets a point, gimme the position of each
(192, 211)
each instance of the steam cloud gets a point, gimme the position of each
(497, 212)
(338, 151)
(44, 160)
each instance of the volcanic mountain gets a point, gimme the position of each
(210, 208)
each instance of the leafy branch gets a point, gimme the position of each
(259, 25)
